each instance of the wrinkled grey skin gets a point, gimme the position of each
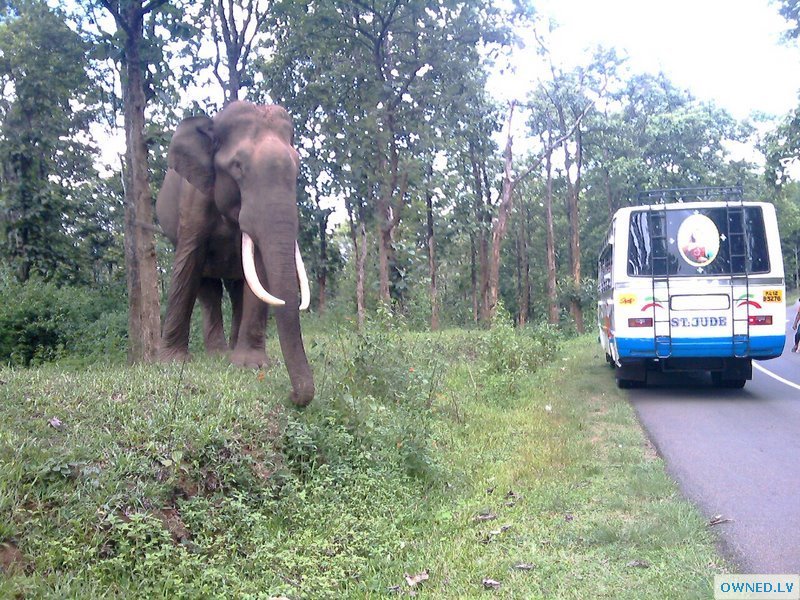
(236, 173)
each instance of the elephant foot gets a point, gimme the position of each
(169, 355)
(302, 396)
(250, 358)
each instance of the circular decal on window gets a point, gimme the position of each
(698, 240)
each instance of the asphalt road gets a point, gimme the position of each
(736, 453)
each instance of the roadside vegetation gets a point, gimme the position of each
(449, 465)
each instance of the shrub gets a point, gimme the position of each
(41, 322)
(506, 349)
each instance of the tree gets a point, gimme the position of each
(790, 10)
(381, 75)
(144, 313)
(43, 73)
(510, 181)
(781, 146)
(235, 30)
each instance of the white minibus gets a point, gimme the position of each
(691, 280)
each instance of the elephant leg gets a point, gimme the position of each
(183, 289)
(187, 269)
(210, 296)
(234, 287)
(249, 350)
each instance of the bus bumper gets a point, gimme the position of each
(760, 347)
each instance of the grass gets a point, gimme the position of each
(452, 458)
(592, 512)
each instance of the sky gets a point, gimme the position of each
(728, 51)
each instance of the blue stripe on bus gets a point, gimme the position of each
(768, 346)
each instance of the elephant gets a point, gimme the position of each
(228, 204)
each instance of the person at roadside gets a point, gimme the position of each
(796, 330)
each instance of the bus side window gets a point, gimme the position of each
(604, 270)
(758, 251)
(639, 245)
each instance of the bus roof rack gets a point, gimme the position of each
(690, 194)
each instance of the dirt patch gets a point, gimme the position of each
(12, 560)
(171, 519)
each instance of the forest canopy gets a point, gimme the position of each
(420, 190)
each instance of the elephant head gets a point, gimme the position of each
(244, 165)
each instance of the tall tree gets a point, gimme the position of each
(378, 74)
(237, 30)
(45, 89)
(511, 180)
(144, 314)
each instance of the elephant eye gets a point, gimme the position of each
(236, 168)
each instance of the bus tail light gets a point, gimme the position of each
(640, 322)
(760, 319)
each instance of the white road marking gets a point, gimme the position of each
(777, 377)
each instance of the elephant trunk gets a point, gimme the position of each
(280, 260)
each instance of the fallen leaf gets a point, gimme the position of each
(524, 567)
(639, 564)
(260, 375)
(55, 423)
(414, 580)
(394, 589)
(491, 584)
(719, 520)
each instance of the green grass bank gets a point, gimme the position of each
(454, 465)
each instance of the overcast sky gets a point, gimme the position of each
(728, 51)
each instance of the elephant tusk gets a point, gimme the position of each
(305, 292)
(250, 275)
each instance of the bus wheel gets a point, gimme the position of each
(734, 384)
(731, 384)
(626, 384)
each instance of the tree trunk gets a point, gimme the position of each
(358, 235)
(384, 251)
(473, 276)
(432, 261)
(389, 207)
(524, 270)
(235, 21)
(481, 246)
(550, 244)
(573, 216)
(361, 261)
(499, 227)
(142, 272)
(500, 223)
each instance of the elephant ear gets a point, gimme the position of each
(191, 152)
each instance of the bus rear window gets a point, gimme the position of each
(698, 241)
